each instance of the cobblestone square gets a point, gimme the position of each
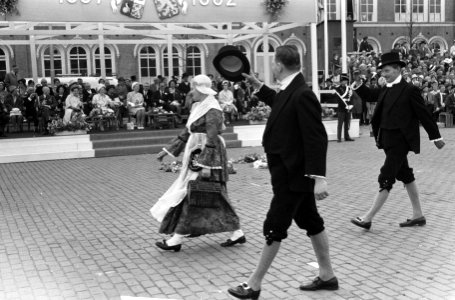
(81, 229)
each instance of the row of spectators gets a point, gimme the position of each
(26, 102)
(433, 72)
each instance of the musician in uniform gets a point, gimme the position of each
(344, 93)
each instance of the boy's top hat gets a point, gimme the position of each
(230, 62)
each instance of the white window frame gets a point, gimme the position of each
(419, 17)
(200, 55)
(157, 60)
(178, 55)
(7, 59)
(437, 17)
(374, 17)
(110, 56)
(88, 54)
(62, 55)
(402, 16)
(337, 10)
(424, 17)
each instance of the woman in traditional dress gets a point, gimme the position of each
(204, 158)
(73, 104)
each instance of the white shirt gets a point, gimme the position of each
(287, 81)
(396, 81)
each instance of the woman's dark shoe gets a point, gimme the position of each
(416, 222)
(319, 284)
(230, 243)
(359, 222)
(163, 245)
(243, 291)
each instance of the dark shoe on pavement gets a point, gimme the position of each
(319, 284)
(230, 243)
(243, 291)
(359, 222)
(416, 222)
(349, 140)
(163, 245)
(338, 141)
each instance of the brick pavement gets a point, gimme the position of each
(81, 229)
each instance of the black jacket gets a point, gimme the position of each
(295, 131)
(407, 109)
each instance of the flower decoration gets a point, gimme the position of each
(77, 122)
(173, 167)
(274, 7)
(259, 113)
(8, 7)
(327, 113)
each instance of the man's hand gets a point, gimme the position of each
(439, 144)
(161, 155)
(255, 83)
(205, 173)
(320, 188)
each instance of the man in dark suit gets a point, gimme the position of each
(295, 142)
(395, 124)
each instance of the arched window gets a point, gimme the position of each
(193, 60)
(242, 49)
(108, 61)
(147, 62)
(175, 62)
(261, 59)
(58, 62)
(3, 64)
(261, 48)
(78, 61)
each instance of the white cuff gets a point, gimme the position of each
(440, 139)
(168, 153)
(315, 176)
(258, 89)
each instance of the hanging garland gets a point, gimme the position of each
(274, 7)
(8, 7)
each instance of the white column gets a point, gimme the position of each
(170, 55)
(230, 36)
(344, 65)
(314, 59)
(33, 58)
(265, 41)
(102, 53)
(326, 42)
(51, 53)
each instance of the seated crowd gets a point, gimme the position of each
(39, 104)
(428, 68)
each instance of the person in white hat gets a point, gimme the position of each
(136, 107)
(181, 211)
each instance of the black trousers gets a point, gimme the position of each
(288, 205)
(396, 166)
(343, 118)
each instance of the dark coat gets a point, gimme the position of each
(10, 103)
(295, 131)
(407, 109)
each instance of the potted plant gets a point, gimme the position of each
(77, 125)
(259, 114)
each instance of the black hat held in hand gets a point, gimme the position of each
(230, 62)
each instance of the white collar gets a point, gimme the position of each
(396, 81)
(287, 81)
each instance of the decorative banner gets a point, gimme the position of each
(161, 11)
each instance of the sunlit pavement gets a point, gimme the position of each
(81, 229)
